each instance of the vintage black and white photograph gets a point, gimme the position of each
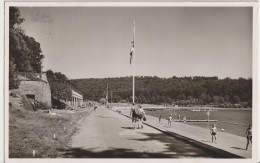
(130, 82)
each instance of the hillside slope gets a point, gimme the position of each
(34, 130)
(199, 90)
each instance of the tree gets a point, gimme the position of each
(24, 50)
(203, 98)
(215, 99)
(60, 86)
(142, 99)
(236, 99)
(13, 80)
(189, 98)
(208, 99)
(14, 17)
(35, 56)
(182, 97)
(226, 98)
(169, 100)
(221, 100)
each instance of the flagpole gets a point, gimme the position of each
(107, 94)
(134, 67)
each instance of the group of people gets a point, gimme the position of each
(213, 130)
(170, 120)
(248, 134)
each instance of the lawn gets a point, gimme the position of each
(29, 130)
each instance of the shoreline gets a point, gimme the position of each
(235, 126)
(225, 141)
(188, 123)
(179, 107)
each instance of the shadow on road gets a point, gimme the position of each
(112, 153)
(129, 128)
(238, 148)
(206, 141)
(175, 148)
(100, 116)
(182, 147)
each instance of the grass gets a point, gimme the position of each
(30, 131)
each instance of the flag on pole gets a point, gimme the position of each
(132, 49)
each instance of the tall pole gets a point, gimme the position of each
(107, 94)
(134, 66)
(111, 96)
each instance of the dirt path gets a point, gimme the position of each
(107, 134)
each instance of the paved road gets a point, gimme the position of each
(107, 134)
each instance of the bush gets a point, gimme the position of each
(41, 106)
(26, 104)
(14, 95)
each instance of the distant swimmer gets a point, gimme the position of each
(249, 135)
(214, 132)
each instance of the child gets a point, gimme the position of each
(184, 120)
(170, 120)
(214, 132)
(249, 135)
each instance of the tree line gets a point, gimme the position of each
(25, 54)
(185, 91)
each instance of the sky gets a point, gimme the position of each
(95, 42)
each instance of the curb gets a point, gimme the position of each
(205, 147)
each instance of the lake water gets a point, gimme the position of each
(233, 121)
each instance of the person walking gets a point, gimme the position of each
(214, 133)
(249, 135)
(133, 114)
(170, 121)
(160, 117)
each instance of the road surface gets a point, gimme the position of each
(107, 134)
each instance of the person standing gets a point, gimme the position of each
(184, 120)
(214, 132)
(170, 121)
(160, 117)
(249, 135)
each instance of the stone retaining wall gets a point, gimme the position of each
(40, 89)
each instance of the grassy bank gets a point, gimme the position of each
(30, 131)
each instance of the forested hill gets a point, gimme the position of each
(184, 90)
